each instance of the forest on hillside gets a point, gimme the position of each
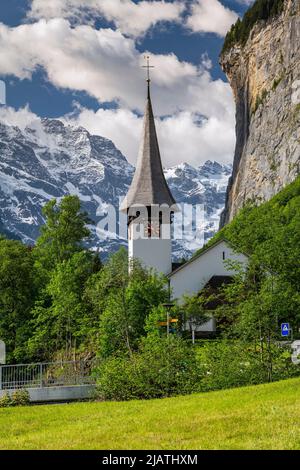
(261, 10)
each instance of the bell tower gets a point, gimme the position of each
(149, 203)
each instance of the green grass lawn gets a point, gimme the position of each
(258, 417)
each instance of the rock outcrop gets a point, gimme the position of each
(265, 77)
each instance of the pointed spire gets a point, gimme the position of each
(149, 185)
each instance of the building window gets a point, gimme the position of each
(224, 255)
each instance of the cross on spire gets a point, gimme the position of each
(148, 67)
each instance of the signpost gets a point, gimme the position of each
(285, 329)
(193, 325)
(168, 308)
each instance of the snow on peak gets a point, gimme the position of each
(49, 158)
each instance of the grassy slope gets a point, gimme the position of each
(258, 417)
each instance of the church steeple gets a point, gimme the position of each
(149, 203)
(148, 186)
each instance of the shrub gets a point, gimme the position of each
(5, 401)
(20, 398)
(231, 364)
(162, 367)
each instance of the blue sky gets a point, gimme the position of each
(82, 62)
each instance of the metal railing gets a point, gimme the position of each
(49, 374)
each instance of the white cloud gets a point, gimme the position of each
(210, 16)
(19, 118)
(121, 126)
(82, 58)
(131, 18)
(183, 137)
(107, 66)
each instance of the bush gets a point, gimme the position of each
(5, 401)
(20, 398)
(162, 367)
(229, 364)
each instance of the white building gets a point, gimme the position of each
(149, 205)
(208, 266)
(194, 275)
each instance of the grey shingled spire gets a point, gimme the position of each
(149, 185)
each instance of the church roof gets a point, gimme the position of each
(149, 186)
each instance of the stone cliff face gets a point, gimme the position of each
(265, 78)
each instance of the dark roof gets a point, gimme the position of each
(149, 186)
(218, 281)
(214, 286)
(176, 266)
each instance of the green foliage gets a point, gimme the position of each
(60, 318)
(270, 234)
(162, 367)
(258, 301)
(255, 311)
(63, 233)
(42, 310)
(156, 316)
(5, 401)
(17, 290)
(18, 398)
(236, 363)
(261, 10)
(194, 309)
(122, 302)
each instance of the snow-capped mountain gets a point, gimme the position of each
(50, 159)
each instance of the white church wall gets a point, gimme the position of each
(192, 278)
(152, 252)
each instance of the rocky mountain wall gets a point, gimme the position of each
(265, 78)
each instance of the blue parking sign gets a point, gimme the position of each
(285, 329)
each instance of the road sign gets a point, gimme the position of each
(285, 329)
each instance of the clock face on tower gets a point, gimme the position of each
(153, 229)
